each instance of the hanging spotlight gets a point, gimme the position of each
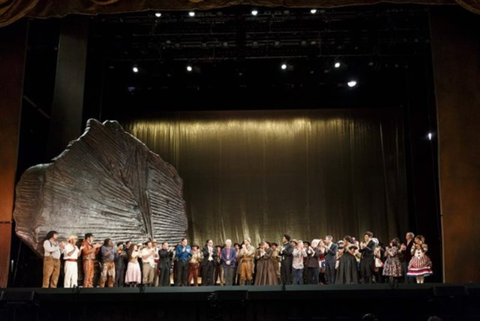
(313, 11)
(430, 136)
(337, 64)
(283, 66)
(352, 83)
(254, 12)
(191, 13)
(135, 68)
(189, 68)
(158, 14)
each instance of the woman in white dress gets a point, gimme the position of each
(133, 276)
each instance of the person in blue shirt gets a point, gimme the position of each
(108, 251)
(183, 253)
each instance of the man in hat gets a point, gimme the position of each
(246, 256)
(51, 259)
(194, 265)
(89, 252)
(70, 256)
(276, 259)
(287, 260)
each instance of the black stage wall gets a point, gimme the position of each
(456, 52)
(306, 172)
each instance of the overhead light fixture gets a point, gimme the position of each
(430, 136)
(352, 83)
(254, 12)
(283, 66)
(135, 68)
(337, 64)
(189, 68)
(313, 11)
(191, 13)
(158, 14)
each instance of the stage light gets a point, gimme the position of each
(191, 13)
(430, 136)
(254, 12)
(337, 65)
(283, 66)
(352, 83)
(135, 69)
(158, 14)
(189, 68)
(313, 11)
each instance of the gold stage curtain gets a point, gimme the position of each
(12, 10)
(264, 173)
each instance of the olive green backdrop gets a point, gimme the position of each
(264, 173)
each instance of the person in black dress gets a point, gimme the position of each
(347, 272)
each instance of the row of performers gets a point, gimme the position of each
(295, 262)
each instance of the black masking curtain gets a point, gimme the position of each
(264, 173)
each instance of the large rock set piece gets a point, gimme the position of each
(107, 183)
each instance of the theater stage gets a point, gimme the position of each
(339, 302)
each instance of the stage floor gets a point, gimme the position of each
(336, 302)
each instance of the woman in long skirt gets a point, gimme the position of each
(133, 276)
(347, 272)
(266, 273)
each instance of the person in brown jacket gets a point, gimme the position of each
(89, 252)
(246, 255)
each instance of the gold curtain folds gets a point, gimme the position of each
(12, 10)
(264, 173)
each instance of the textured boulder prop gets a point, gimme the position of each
(106, 182)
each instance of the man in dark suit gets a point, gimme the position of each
(406, 251)
(330, 259)
(367, 261)
(287, 259)
(208, 263)
(165, 255)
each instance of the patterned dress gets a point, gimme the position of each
(392, 266)
(420, 264)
